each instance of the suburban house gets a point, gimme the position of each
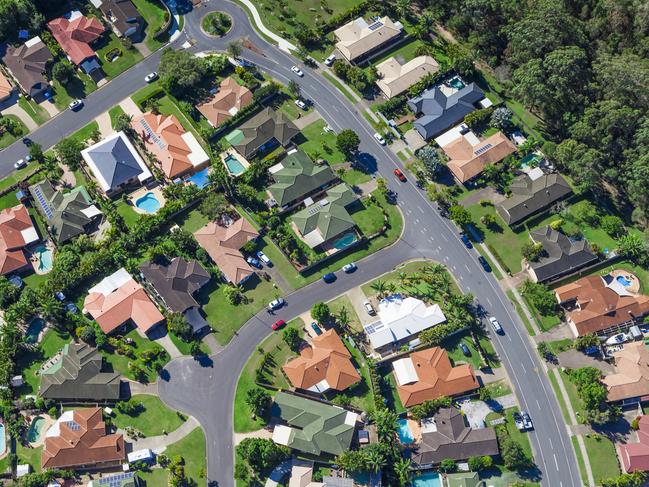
(115, 164)
(297, 178)
(437, 112)
(630, 382)
(561, 255)
(531, 194)
(123, 17)
(261, 132)
(174, 283)
(600, 304)
(78, 440)
(16, 232)
(27, 63)
(68, 214)
(401, 320)
(635, 456)
(222, 244)
(358, 39)
(118, 300)
(464, 479)
(177, 150)
(447, 436)
(428, 374)
(302, 476)
(396, 77)
(325, 365)
(319, 223)
(312, 426)
(76, 34)
(226, 102)
(76, 374)
(468, 156)
(6, 88)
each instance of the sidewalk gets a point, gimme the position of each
(283, 44)
(160, 443)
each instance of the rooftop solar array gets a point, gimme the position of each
(483, 149)
(149, 131)
(73, 425)
(375, 25)
(43, 202)
(116, 480)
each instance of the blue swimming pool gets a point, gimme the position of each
(456, 83)
(201, 178)
(34, 330)
(345, 241)
(148, 203)
(404, 432)
(427, 479)
(234, 165)
(3, 439)
(623, 280)
(45, 258)
(35, 429)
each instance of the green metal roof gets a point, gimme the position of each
(464, 479)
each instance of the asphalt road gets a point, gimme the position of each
(206, 391)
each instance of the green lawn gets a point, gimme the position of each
(512, 431)
(368, 216)
(544, 322)
(580, 460)
(29, 455)
(125, 60)
(354, 177)
(558, 346)
(602, 456)
(452, 346)
(499, 388)
(494, 270)
(275, 345)
(320, 144)
(285, 103)
(155, 418)
(185, 347)
(360, 394)
(192, 220)
(519, 310)
(6, 139)
(119, 362)
(406, 51)
(559, 396)
(79, 87)
(154, 15)
(35, 111)
(147, 92)
(388, 381)
(340, 87)
(115, 112)
(128, 213)
(344, 302)
(9, 200)
(18, 176)
(394, 276)
(573, 397)
(83, 134)
(29, 361)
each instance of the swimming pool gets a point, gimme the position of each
(234, 165)
(3, 439)
(427, 479)
(345, 241)
(34, 330)
(34, 432)
(623, 280)
(148, 203)
(403, 430)
(45, 258)
(456, 83)
(201, 178)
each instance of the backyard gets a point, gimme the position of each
(29, 361)
(120, 363)
(368, 216)
(153, 419)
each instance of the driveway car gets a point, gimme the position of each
(485, 265)
(379, 139)
(369, 308)
(279, 324)
(351, 267)
(301, 104)
(19, 164)
(276, 303)
(316, 328)
(151, 77)
(465, 240)
(264, 258)
(400, 175)
(465, 350)
(329, 278)
(297, 71)
(518, 421)
(330, 60)
(75, 105)
(495, 325)
(254, 262)
(527, 421)
(619, 338)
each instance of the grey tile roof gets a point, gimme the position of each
(115, 161)
(263, 127)
(562, 254)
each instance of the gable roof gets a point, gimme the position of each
(176, 281)
(176, 149)
(326, 218)
(297, 176)
(223, 244)
(562, 255)
(27, 63)
(468, 160)
(439, 112)
(114, 161)
(226, 102)
(326, 364)
(357, 38)
(317, 428)
(260, 129)
(118, 299)
(395, 78)
(121, 13)
(530, 196)
(428, 374)
(635, 456)
(631, 377)
(77, 375)
(75, 32)
(78, 438)
(464, 479)
(6, 87)
(454, 439)
(16, 232)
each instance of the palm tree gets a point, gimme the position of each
(402, 469)
(375, 460)
(343, 318)
(386, 424)
(380, 287)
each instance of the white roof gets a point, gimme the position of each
(320, 387)
(428, 425)
(455, 133)
(108, 284)
(91, 211)
(55, 429)
(282, 434)
(277, 167)
(405, 372)
(29, 235)
(485, 103)
(351, 418)
(22, 470)
(138, 455)
(197, 156)
(33, 41)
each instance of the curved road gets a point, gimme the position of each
(207, 392)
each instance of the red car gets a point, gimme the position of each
(400, 175)
(278, 324)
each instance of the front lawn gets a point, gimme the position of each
(114, 113)
(153, 420)
(17, 176)
(368, 216)
(573, 397)
(154, 15)
(320, 144)
(128, 57)
(602, 456)
(512, 431)
(6, 139)
(395, 277)
(34, 110)
(120, 363)
(498, 389)
(84, 133)
(452, 347)
(78, 88)
(354, 177)
(344, 302)
(544, 322)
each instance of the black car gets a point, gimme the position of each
(485, 265)
(329, 278)
(466, 241)
(27, 141)
(465, 350)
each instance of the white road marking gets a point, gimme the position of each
(421, 209)
(555, 461)
(444, 237)
(467, 268)
(490, 303)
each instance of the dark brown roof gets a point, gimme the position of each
(562, 254)
(121, 13)
(262, 128)
(27, 63)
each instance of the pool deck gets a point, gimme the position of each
(233, 153)
(48, 422)
(139, 193)
(634, 287)
(35, 260)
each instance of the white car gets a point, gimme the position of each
(369, 308)
(276, 304)
(149, 78)
(75, 105)
(351, 267)
(264, 258)
(379, 139)
(301, 104)
(330, 60)
(297, 71)
(19, 164)
(616, 339)
(496, 326)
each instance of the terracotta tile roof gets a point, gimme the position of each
(434, 377)
(223, 244)
(76, 35)
(118, 299)
(176, 149)
(467, 161)
(16, 231)
(5, 87)
(594, 303)
(631, 378)
(79, 438)
(635, 456)
(230, 98)
(326, 360)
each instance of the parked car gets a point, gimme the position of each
(301, 104)
(151, 77)
(466, 241)
(254, 262)
(329, 277)
(400, 175)
(351, 267)
(19, 164)
(27, 141)
(485, 265)
(518, 421)
(297, 71)
(495, 325)
(527, 421)
(619, 338)
(264, 258)
(379, 139)
(330, 60)
(465, 350)
(369, 308)
(59, 295)
(316, 328)
(278, 324)
(75, 105)
(276, 303)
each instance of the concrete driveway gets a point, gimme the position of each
(476, 411)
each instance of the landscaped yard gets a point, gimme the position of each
(452, 346)
(127, 212)
(35, 111)
(512, 431)
(389, 389)
(320, 144)
(368, 216)
(153, 420)
(125, 59)
(344, 302)
(6, 139)
(602, 456)
(154, 15)
(29, 455)
(573, 397)
(79, 87)
(498, 389)
(29, 361)
(17, 176)
(84, 133)
(120, 362)
(113, 113)
(395, 277)
(354, 177)
(544, 322)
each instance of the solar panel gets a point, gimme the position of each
(116, 480)
(483, 149)
(314, 209)
(375, 25)
(149, 131)
(73, 425)
(43, 202)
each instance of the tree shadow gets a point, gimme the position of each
(365, 162)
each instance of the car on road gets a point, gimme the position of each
(276, 304)
(301, 104)
(518, 421)
(330, 60)
(151, 77)
(19, 164)
(495, 325)
(254, 262)
(465, 350)
(527, 421)
(351, 267)
(27, 141)
(485, 265)
(379, 138)
(465, 240)
(264, 258)
(297, 71)
(279, 324)
(369, 308)
(400, 175)
(329, 277)
(317, 330)
(75, 105)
